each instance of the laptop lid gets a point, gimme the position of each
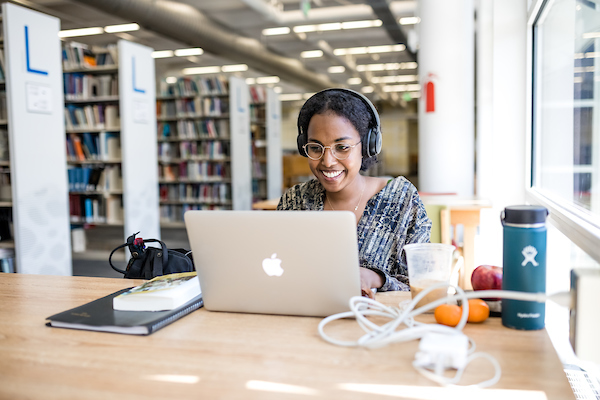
(275, 262)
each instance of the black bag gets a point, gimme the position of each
(150, 262)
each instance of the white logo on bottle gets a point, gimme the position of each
(529, 252)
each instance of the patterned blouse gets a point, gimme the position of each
(392, 218)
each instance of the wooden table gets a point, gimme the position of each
(270, 204)
(212, 355)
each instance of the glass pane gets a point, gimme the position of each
(566, 145)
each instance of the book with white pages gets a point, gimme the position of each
(165, 292)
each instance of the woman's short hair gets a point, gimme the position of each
(343, 104)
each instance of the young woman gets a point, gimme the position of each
(339, 133)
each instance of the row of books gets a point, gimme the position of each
(192, 108)
(173, 213)
(102, 146)
(258, 94)
(188, 129)
(78, 55)
(192, 150)
(259, 190)
(196, 192)
(79, 86)
(97, 116)
(3, 108)
(257, 113)
(96, 209)
(104, 179)
(2, 74)
(4, 149)
(193, 171)
(195, 86)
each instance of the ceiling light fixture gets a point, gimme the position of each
(201, 70)
(387, 66)
(312, 54)
(337, 26)
(194, 51)
(121, 28)
(234, 68)
(591, 35)
(395, 78)
(81, 32)
(263, 80)
(162, 54)
(354, 81)
(283, 30)
(409, 20)
(362, 24)
(367, 89)
(337, 69)
(370, 50)
(171, 79)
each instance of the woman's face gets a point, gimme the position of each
(330, 129)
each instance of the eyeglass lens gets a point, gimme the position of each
(340, 151)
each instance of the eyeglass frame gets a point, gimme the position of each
(330, 149)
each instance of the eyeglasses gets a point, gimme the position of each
(341, 151)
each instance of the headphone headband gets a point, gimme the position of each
(371, 142)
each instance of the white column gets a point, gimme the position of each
(501, 136)
(446, 112)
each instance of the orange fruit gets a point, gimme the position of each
(479, 311)
(447, 314)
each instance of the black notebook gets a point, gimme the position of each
(99, 315)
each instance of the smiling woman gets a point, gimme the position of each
(339, 132)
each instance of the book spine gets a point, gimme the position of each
(192, 307)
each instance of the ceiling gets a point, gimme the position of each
(248, 19)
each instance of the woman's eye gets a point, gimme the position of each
(342, 148)
(314, 148)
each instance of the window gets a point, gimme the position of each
(565, 123)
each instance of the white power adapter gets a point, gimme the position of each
(438, 352)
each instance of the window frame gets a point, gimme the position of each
(568, 218)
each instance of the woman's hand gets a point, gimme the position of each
(369, 279)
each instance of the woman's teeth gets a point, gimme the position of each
(331, 174)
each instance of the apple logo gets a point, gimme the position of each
(272, 266)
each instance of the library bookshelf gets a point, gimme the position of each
(93, 134)
(38, 200)
(196, 119)
(265, 120)
(110, 123)
(7, 244)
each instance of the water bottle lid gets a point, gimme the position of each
(525, 214)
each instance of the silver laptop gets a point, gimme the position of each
(275, 262)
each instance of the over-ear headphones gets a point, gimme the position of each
(371, 142)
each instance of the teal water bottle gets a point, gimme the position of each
(524, 264)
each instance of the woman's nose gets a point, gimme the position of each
(328, 158)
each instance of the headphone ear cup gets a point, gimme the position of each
(301, 141)
(376, 146)
(372, 143)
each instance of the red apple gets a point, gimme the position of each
(487, 277)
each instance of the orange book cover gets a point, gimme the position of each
(78, 147)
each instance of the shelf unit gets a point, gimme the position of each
(111, 137)
(93, 134)
(265, 121)
(7, 244)
(34, 100)
(196, 146)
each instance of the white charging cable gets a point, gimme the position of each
(380, 335)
